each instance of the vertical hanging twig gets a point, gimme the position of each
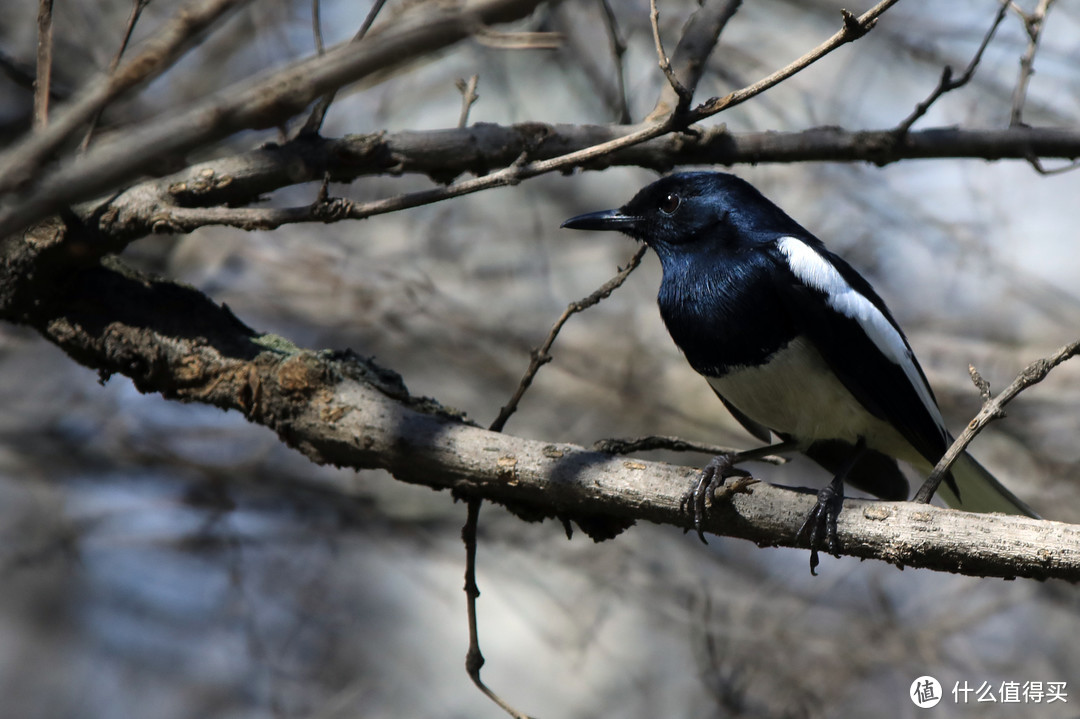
(318, 113)
(1033, 25)
(136, 10)
(44, 64)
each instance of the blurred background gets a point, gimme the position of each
(169, 560)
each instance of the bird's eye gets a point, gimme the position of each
(670, 203)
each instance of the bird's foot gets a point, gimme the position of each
(821, 523)
(702, 493)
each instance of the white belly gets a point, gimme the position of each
(797, 394)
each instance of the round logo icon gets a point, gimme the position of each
(925, 692)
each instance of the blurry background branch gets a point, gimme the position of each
(259, 103)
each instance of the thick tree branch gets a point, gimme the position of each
(338, 409)
(216, 192)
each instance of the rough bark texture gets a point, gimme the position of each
(340, 409)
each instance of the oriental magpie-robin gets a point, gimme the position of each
(795, 343)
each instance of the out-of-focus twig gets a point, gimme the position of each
(618, 51)
(160, 52)
(697, 43)
(993, 408)
(947, 83)
(684, 95)
(541, 355)
(318, 113)
(137, 6)
(1033, 26)
(258, 103)
(467, 88)
(44, 64)
(854, 28)
(316, 26)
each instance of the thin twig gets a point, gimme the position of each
(947, 83)
(318, 113)
(698, 41)
(540, 356)
(518, 40)
(1033, 25)
(316, 27)
(618, 51)
(854, 28)
(684, 95)
(474, 660)
(136, 10)
(1036, 163)
(673, 444)
(468, 98)
(992, 409)
(44, 64)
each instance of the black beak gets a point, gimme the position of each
(603, 220)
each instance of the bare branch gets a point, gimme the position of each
(316, 26)
(21, 162)
(618, 51)
(696, 44)
(992, 409)
(468, 98)
(684, 95)
(260, 103)
(318, 113)
(518, 40)
(853, 29)
(196, 196)
(1038, 166)
(44, 64)
(339, 409)
(474, 660)
(137, 6)
(947, 83)
(1033, 25)
(520, 170)
(541, 356)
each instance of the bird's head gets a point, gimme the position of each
(690, 212)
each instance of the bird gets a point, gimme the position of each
(796, 344)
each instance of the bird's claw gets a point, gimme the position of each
(821, 524)
(702, 493)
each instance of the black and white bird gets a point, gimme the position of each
(794, 342)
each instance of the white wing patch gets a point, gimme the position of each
(815, 271)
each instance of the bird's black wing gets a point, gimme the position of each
(857, 336)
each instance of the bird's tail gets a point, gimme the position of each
(979, 491)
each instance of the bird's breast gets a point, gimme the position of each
(723, 315)
(795, 393)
